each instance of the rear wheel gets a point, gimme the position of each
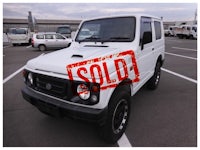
(155, 79)
(29, 42)
(118, 115)
(42, 47)
(191, 37)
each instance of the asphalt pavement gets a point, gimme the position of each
(166, 117)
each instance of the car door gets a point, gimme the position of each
(50, 40)
(60, 41)
(158, 40)
(146, 48)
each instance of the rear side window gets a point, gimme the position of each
(49, 36)
(157, 26)
(59, 37)
(146, 27)
(41, 36)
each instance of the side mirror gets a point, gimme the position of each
(147, 38)
(73, 34)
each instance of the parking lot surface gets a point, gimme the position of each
(164, 117)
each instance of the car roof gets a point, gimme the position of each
(19, 28)
(128, 15)
(47, 33)
(63, 26)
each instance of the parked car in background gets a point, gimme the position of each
(171, 31)
(64, 30)
(187, 31)
(84, 33)
(47, 40)
(19, 36)
(167, 32)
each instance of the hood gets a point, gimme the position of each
(57, 61)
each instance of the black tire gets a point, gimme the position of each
(29, 42)
(180, 36)
(42, 47)
(14, 44)
(152, 84)
(117, 118)
(191, 37)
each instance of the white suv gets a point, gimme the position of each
(96, 76)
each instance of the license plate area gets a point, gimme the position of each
(49, 109)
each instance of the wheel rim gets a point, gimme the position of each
(42, 48)
(120, 116)
(157, 77)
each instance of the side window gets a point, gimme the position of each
(157, 26)
(49, 36)
(146, 30)
(59, 37)
(40, 36)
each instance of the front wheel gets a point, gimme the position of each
(152, 84)
(118, 115)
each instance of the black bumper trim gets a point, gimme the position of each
(74, 111)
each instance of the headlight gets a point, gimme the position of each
(30, 78)
(83, 91)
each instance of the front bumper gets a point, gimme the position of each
(55, 107)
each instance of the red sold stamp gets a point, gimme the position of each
(97, 70)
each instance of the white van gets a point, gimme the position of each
(96, 76)
(187, 31)
(19, 35)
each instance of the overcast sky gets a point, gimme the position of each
(169, 11)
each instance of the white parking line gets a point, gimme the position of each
(16, 72)
(123, 141)
(187, 49)
(181, 56)
(29, 46)
(13, 74)
(7, 46)
(179, 75)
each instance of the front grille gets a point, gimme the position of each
(52, 86)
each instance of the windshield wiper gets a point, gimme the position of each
(93, 38)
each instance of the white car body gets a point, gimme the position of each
(62, 58)
(146, 56)
(24, 36)
(187, 31)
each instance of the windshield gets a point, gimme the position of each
(121, 29)
(17, 31)
(64, 30)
